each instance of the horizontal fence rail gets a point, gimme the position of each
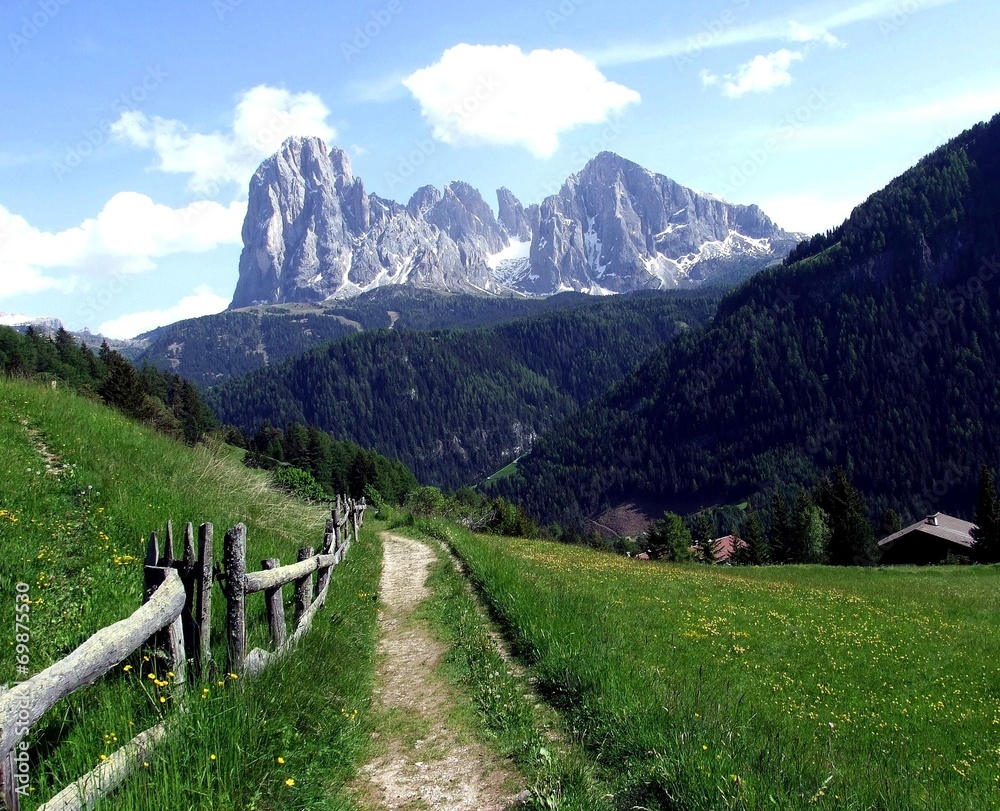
(175, 620)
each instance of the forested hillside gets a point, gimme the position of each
(455, 406)
(214, 348)
(877, 348)
(161, 399)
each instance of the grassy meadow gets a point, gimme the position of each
(699, 687)
(82, 488)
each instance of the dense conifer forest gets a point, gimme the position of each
(876, 348)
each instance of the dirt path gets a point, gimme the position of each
(426, 763)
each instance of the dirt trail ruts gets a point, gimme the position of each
(426, 764)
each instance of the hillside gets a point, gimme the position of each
(876, 347)
(456, 406)
(83, 487)
(796, 687)
(214, 348)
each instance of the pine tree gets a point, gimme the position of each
(892, 522)
(782, 531)
(987, 530)
(705, 538)
(811, 531)
(669, 539)
(852, 541)
(755, 550)
(121, 386)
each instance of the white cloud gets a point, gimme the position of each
(264, 117)
(797, 32)
(819, 28)
(493, 94)
(202, 302)
(129, 233)
(762, 74)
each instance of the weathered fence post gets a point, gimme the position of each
(275, 607)
(303, 586)
(168, 546)
(10, 800)
(338, 538)
(203, 610)
(178, 653)
(235, 562)
(329, 537)
(173, 637)
(152, 561)
(186, 569)
(354, 520)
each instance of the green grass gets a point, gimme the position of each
(787, 687)
(503, 473)
(74, 528)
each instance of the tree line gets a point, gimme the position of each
(826, 524)
(163, 400)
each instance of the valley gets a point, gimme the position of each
(332, 479)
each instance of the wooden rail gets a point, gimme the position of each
(176, 618)
(23, 705)
(238, 584)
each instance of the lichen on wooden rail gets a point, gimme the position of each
(273, 578)
(23, 705)
(259, 660)
(85, 792)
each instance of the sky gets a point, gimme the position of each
(130, 131)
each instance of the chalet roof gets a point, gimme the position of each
(725, 547)
(942, 526)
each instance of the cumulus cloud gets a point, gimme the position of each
(203, 301)
(263, 118)
(129, 233)
(762, 74)
(497, 94)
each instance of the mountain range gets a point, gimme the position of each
(313, 233)
(875, 348)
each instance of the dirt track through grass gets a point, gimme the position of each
(425, 761)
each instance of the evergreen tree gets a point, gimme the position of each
(852, 541)
(121, 386)
(892, 522)
(814, 534)
(669, 539)
(705, 538)
(782, 531)
(811, 531)
(755, 550)
(987, 530)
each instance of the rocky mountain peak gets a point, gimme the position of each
(312, 232)
(423, 199)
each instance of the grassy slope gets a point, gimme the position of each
(77, 535)
(796, 687)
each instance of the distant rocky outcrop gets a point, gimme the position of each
(313, 233)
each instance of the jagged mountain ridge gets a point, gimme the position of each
(313, 233)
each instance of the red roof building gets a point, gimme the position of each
(725, 548)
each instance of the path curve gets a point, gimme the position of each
(441, 770)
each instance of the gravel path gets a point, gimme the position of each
(426, 764)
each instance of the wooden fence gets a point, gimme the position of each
(175, 620)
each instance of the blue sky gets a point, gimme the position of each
(130, 130)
